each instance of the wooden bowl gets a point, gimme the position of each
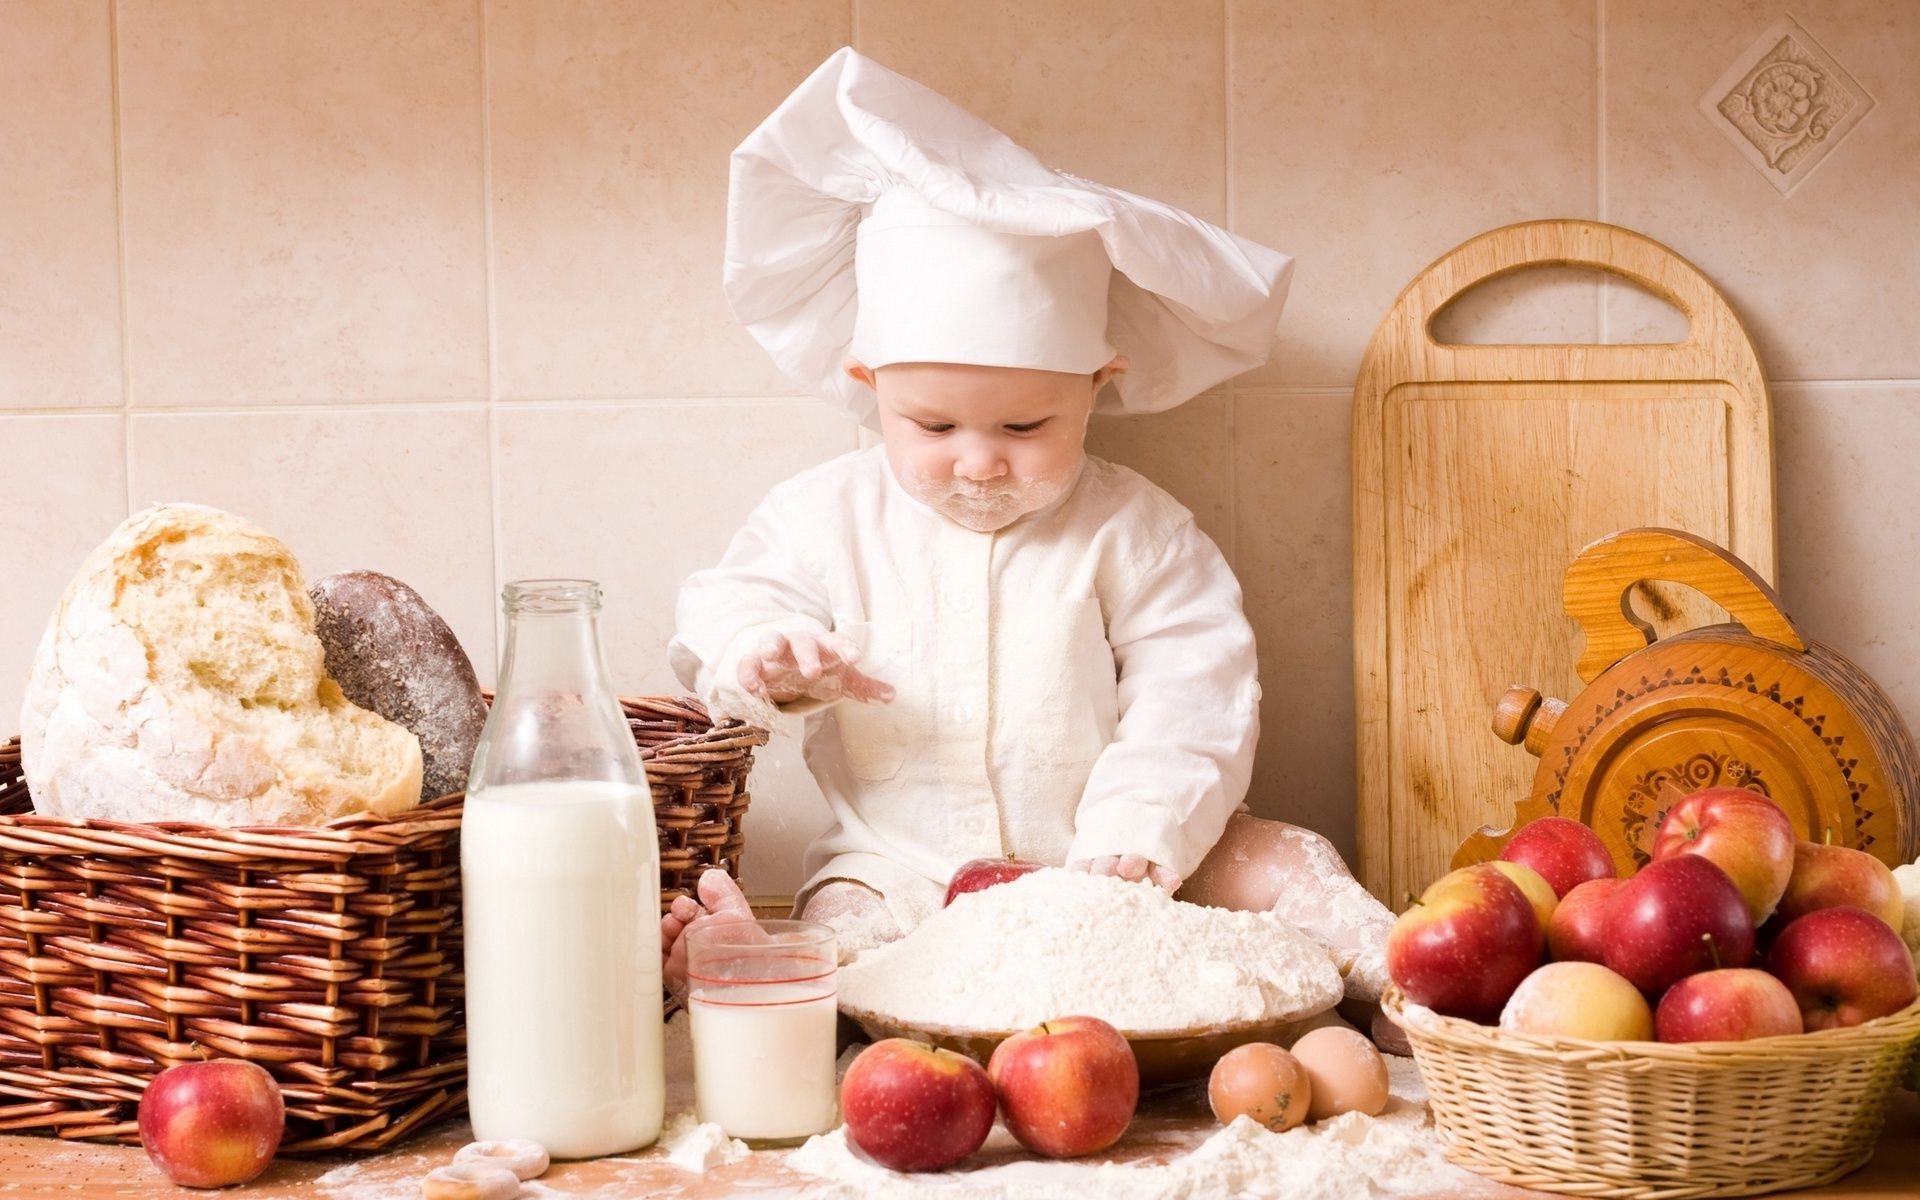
(1167, 1058)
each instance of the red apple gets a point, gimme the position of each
(1574, 934)
(1737, 1004)
(1067, 1087)
(1565, 852)
(1676, 917)
(1844, 966)
(211, 1124)
(912, 1107)
(1740, 831)
(979, 874)
(1465, 944)
(1826, 876)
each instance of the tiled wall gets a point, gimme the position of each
(431, 286)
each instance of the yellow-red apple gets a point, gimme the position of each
(1565, 852)
(1844, 966)
(1676, 917)
(212, 1124)
(1067, 1087)
(1737, 1004)
(1537, 890)
(1465, 945)
(1579, 1000)
(1827, 876)
(1740, 831)
(912, 1107)
(1574, 934)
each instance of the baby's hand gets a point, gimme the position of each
(787, 667)
(1132, 867)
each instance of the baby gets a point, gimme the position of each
(998, 645)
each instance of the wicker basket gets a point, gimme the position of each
(329, 955)
(1648, 1120)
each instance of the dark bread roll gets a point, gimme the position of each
(393, 654)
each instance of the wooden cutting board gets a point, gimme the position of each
(1479, 472)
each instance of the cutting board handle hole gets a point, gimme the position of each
(1557, 305)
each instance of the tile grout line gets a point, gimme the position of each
(492, 401)
(1227, 208)
(1600, 152)
(120, 256)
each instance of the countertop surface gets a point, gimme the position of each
(1169, 1125)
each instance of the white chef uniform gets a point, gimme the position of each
(1080, 683)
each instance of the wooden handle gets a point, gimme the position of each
(1596, 586)
(1522, 717)
(1567, 243)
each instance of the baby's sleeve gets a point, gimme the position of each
(760, 587)
(1189, 713)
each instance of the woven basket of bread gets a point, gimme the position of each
(330, 954)
(1648, 1119)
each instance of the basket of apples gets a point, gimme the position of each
(1731, 1019)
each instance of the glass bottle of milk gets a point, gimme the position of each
(560, 880)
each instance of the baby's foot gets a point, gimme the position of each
(721, 902)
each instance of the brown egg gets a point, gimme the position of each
(1262, 1081)
(1344, 1072)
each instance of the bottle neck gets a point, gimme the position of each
(553, 651)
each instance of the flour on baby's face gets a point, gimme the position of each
(984, 507)
(983, 446)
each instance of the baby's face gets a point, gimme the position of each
(984, 446)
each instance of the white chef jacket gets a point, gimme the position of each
(1080, 683)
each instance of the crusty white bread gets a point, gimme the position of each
(180, 679)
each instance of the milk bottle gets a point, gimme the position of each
(560, 870)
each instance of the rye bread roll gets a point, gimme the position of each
(392, 653)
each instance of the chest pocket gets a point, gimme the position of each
(876, 737)
(1060, 690)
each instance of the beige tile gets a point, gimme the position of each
(304, 201)
(1185, 451)
(1370, 139)
(639, 496)
(611, 124)
(402, 491)
(64, 489)
(1547, 304)
(59, 237)
(1129, 93)
(1292, 475)
(1849, 529)
(1827, 279)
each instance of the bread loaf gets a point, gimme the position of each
(391, 653)
(179, 679)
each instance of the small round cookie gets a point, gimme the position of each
(526, 1159)
(470, 1181)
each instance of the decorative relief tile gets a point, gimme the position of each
(1785, 104)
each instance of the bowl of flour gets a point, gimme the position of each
(1183, 982)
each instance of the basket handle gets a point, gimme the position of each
(1596, 588)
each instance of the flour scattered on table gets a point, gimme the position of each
(1350, 1157)
(693, 1146)
(1057, 943)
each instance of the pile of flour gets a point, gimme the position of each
(1350, 1157)
(1061, 943)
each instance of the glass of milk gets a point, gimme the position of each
(762, 1001)
(560, 889)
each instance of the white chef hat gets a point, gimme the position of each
(870, 216)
